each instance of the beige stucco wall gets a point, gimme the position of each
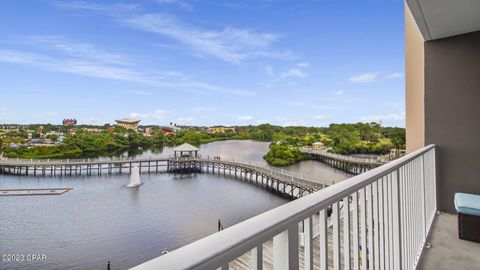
(414, 83)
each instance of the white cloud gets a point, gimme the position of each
(322, 117)
(269, 70)
(365, 77)
(298, 104)
(397, 106)
(140, 93)
(110, 9)
(229, 44)
(294, 72)
(394, 75)
(89, 120)
(187, 119)
(3, 113)
(303, 64)
(50, 113)
(262, 121)
(63, 45)
(314, 106)
(293, 123)
(245, 118)
(73, 65)
(86, 60)
(181, 4)
(205, 109)
(264, 85)
(339, 92)
(375, 76)
(386, 117)
(156, 115)
(46, 116)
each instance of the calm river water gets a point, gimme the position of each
(101, 220)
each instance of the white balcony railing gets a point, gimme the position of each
(384, 225)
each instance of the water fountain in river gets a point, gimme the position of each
(134, 177)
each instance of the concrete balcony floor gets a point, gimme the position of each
(448, 252)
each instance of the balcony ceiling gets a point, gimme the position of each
(444, 18)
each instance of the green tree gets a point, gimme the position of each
(52, 137)
(282, 155)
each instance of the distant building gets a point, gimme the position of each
(69, 122)
(175, 127)
(55, 133)
(128, 123)
(94, 130)
(148, 132)
(72, 131)
(167, 130)
(318, 146)
(221, 129)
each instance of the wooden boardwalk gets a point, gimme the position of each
(286, 183)
(353, 165)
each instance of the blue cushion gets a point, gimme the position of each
(468, 204)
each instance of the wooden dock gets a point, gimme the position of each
(33, 191)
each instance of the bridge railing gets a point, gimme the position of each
(63, 161)
(392, 209)
(88, 160)
(294, 176)
(343, 157)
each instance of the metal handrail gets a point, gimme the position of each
(218, 249)
(343, 157)
(286, 174)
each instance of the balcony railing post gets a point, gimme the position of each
(335, 217)
(323, 233)
(434, 172)
(397, 228)
(256, 262)
(363, 227)
(356, 265)
(285, 249)
(423, 198)
(308, 244)
(346, 232)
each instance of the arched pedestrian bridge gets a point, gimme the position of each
(286, 183)
(353, 165)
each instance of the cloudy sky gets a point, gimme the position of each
(202, 62)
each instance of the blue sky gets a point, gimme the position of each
(202, 62)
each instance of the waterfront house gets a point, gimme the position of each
(398, 216)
